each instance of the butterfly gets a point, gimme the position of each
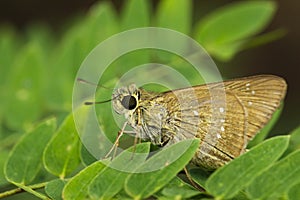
(225, 116)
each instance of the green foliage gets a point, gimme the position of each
(295, 141)
(283, 175)
(24, 86)
(199, 176)
(61, 155)
(37, 73)
(224, 31)
(77, 187)
(110, 180)
(177, 188)
(142, 185)
(294, 192)
(263, 133)
(176, 16)
(136, 13)
(24, 161)
(54, 188)
(226, 182)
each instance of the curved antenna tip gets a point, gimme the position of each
(90, 83)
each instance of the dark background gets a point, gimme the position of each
(280, 57)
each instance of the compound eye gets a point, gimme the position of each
(129, 102)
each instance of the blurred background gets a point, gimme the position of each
(280, 57)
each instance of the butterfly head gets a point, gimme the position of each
(125, 99)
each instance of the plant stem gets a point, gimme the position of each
(22, 188)
(10, 192)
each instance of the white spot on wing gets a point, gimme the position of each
(196, 113)
(221, 109)
(222, 128)
(219, 136)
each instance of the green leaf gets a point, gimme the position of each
(8, 48)
(41, 34)
(294, 192)
(86, 157)
(24, 93)
(199, 176)
(227, 181)
(241, 196)
(175, 15)
(64, 63)
(3, 157)
(61, 156)
(122, 195)
(142, 185)
(111, 180)
(77, 187)
(222, 32)
(178, 189)
(264, 39)
(102, 23)
(278, 179)
(6, 143)
(294, 141)
(25, 160)
(136, 13)
(54, 189)
(266, 129)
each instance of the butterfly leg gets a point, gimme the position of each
(116, 144)
(137, 138)
(198, 187)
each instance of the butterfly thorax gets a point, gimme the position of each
(146, 112)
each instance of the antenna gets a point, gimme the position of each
(88, 103)
(90, 83)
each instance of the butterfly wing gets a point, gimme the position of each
(225, 116)
(260, 97)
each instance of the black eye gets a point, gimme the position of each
(129, 102)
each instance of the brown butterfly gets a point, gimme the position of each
(225, 116)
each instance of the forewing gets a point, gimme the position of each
(226, 115)
(261, 96)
